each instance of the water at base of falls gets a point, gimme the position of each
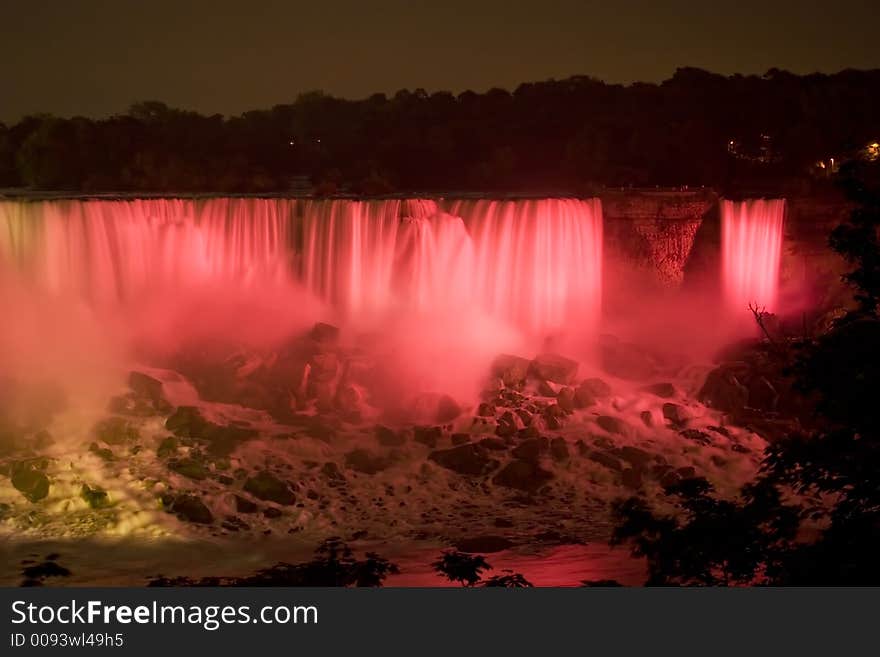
(751, 242)
(532, 264)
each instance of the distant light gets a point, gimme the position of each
(291, 142)
(318, 140)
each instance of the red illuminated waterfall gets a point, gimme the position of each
(751, 244)
(533, 264)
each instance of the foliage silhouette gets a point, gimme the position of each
(571, 135)
(334, 565)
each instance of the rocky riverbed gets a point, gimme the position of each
(204, 464)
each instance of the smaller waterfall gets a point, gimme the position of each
(751, 242)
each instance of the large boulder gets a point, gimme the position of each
(268, 487)
(555, 368)
(676, 413)
(28, 480)
(468, 459)
(512, 370)
(613, 424)
(723, 390)
(595, 387)
(188, 508)
(366, 462)
(522, 475)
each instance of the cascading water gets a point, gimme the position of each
(532, 264)
(538, 263)
(751, 242)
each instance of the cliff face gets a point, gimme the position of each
(654, 232)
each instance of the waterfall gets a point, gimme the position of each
(535, 264)
(538, 263)
(751, 241)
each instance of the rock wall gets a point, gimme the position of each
(653, 232)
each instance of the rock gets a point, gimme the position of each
(525, 418)
(582, 448)
(503, 523)
(460, 439)
(547, 389)
(565, 399)
(529, 450)
(555, 368)
(686, 472)
(697, 436)
(604, 443)
(265, 486)
(190, 509)
(244, 505)
(493, 444)
(662, 390)
(637, 457)
(388, 437)
(149, 388)
(362, 460)
(447, 409)
(675, 413)
(512, 370)
(186, 421)
(631, 478)
(271, 512)
(429, 436)
(222, 441)
(167, 447)
(606, 460)
(741, 449)
(234, 524)
(466, 459)
(583, 398)
(522, 475)
(116, 431)
(596, 388)
(189, 467)
(485, 410)
(331, 471)
(762, 395)
(613, 425)
(324, 334)
(559, 449)
(507, 425)
(723, 391)
(29, 481)
(101, 452)
(348, 399)
(670, 479)
(483, 544)
(96, 498)
(323, 368)
(647, 418)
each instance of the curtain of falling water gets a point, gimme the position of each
(534, 263)
(751, 242)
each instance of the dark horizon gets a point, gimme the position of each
(94, 59)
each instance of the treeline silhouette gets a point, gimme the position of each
(697, 128)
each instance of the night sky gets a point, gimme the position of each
(95, 58)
